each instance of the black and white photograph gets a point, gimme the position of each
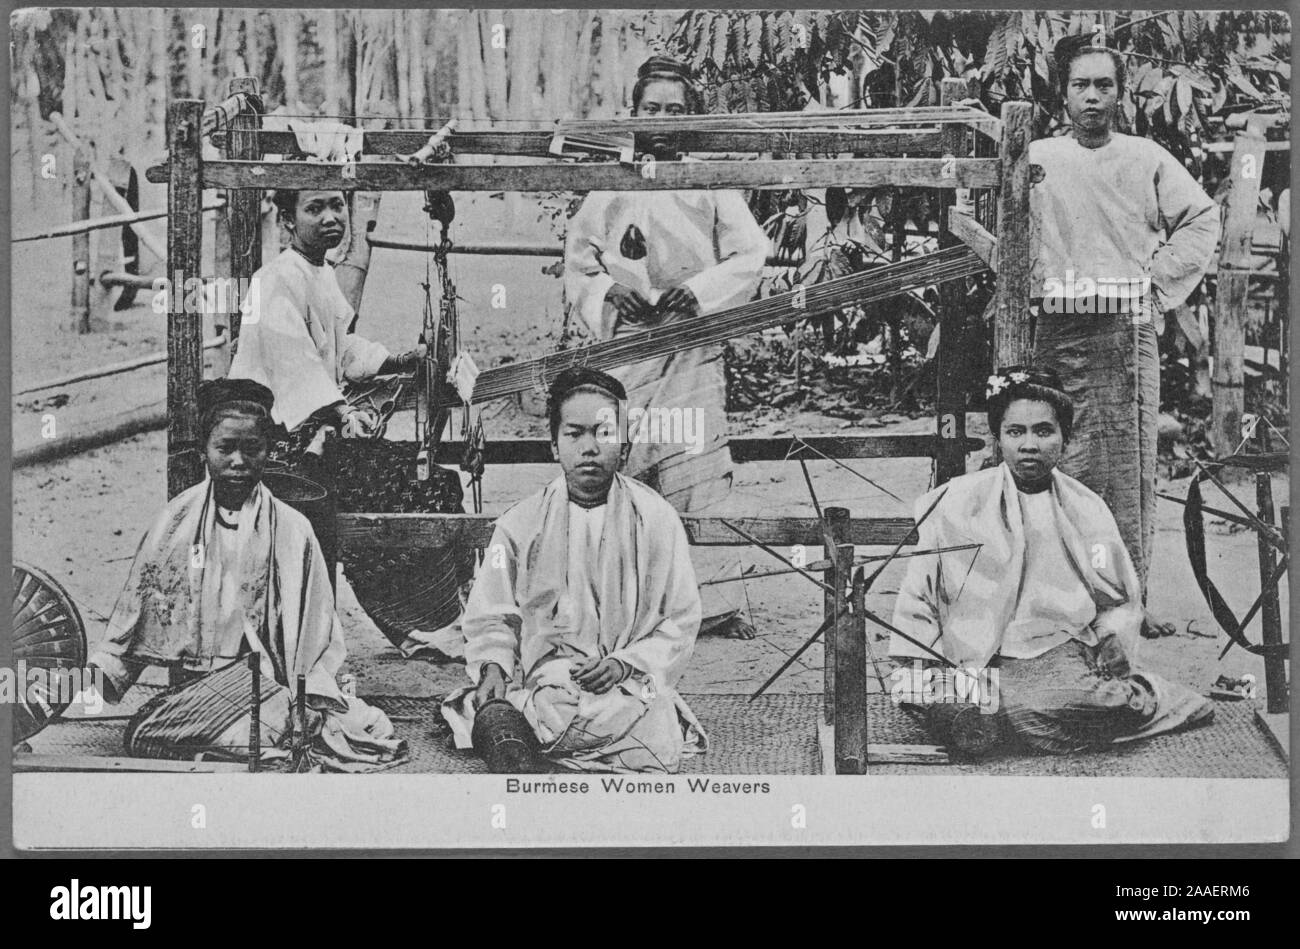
(715, 427)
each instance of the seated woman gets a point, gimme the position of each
(584, 613)
(1050, 599)
(296, 339)
(226, 570)
(296, 334)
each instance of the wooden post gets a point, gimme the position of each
(352, 269)
(184, 261)
(243, 206)
(950, 380)
(850, 637)
(1011, 342)
(1271, 614)
(835, 531)
(255, 713)
(81, 242)
(1233, 283)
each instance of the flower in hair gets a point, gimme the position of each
(996, 384)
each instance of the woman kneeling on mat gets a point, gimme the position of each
(1045, 614)
(224, 571)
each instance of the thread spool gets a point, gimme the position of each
(962, 727)
(505, 740)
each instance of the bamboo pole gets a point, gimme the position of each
(102, 183)
(105, 222)
(140, 362)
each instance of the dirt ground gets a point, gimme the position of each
(81, 517)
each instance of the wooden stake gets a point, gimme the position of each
(835, 530)
(1233, 284)
(850, 635)
(1275, 683)
(81, 242)
(244, 206)
(1011, 342)
(184, 260)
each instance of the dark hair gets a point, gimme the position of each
(579, 379)
(666, 69)
(1027, 382)
(287, 201)
(1071, 48)
(220, 398)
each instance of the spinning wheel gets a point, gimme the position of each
(47, 634)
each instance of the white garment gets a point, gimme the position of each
(223, 579)
(707, 241)
(1053, 606)
(1108, 218)
(294, 339)
(585, 525)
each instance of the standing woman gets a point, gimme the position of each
(638, 259)
(1123, 232)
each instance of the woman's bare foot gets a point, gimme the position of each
(1153, 628)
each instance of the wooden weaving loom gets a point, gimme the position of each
(947, 147)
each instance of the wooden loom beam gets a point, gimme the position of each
(971, 233)
(414, 531)
(781, 174)
(537, 451)
(537, 144)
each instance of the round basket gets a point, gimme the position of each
(47, 634)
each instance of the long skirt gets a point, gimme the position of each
(1065, 701)
(212, 714)
(1109, 364)
(679, 447)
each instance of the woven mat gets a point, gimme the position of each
(777, 735)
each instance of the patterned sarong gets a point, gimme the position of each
(209, 714)
(1110, 367)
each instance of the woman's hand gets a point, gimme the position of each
(356, 422)
(491, 685)
(600, 675)
(630, 306)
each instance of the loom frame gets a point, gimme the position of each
(957, 146)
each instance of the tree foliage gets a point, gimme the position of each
(1186, 67)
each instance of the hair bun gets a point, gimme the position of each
(664, 67)
(1068, 46)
